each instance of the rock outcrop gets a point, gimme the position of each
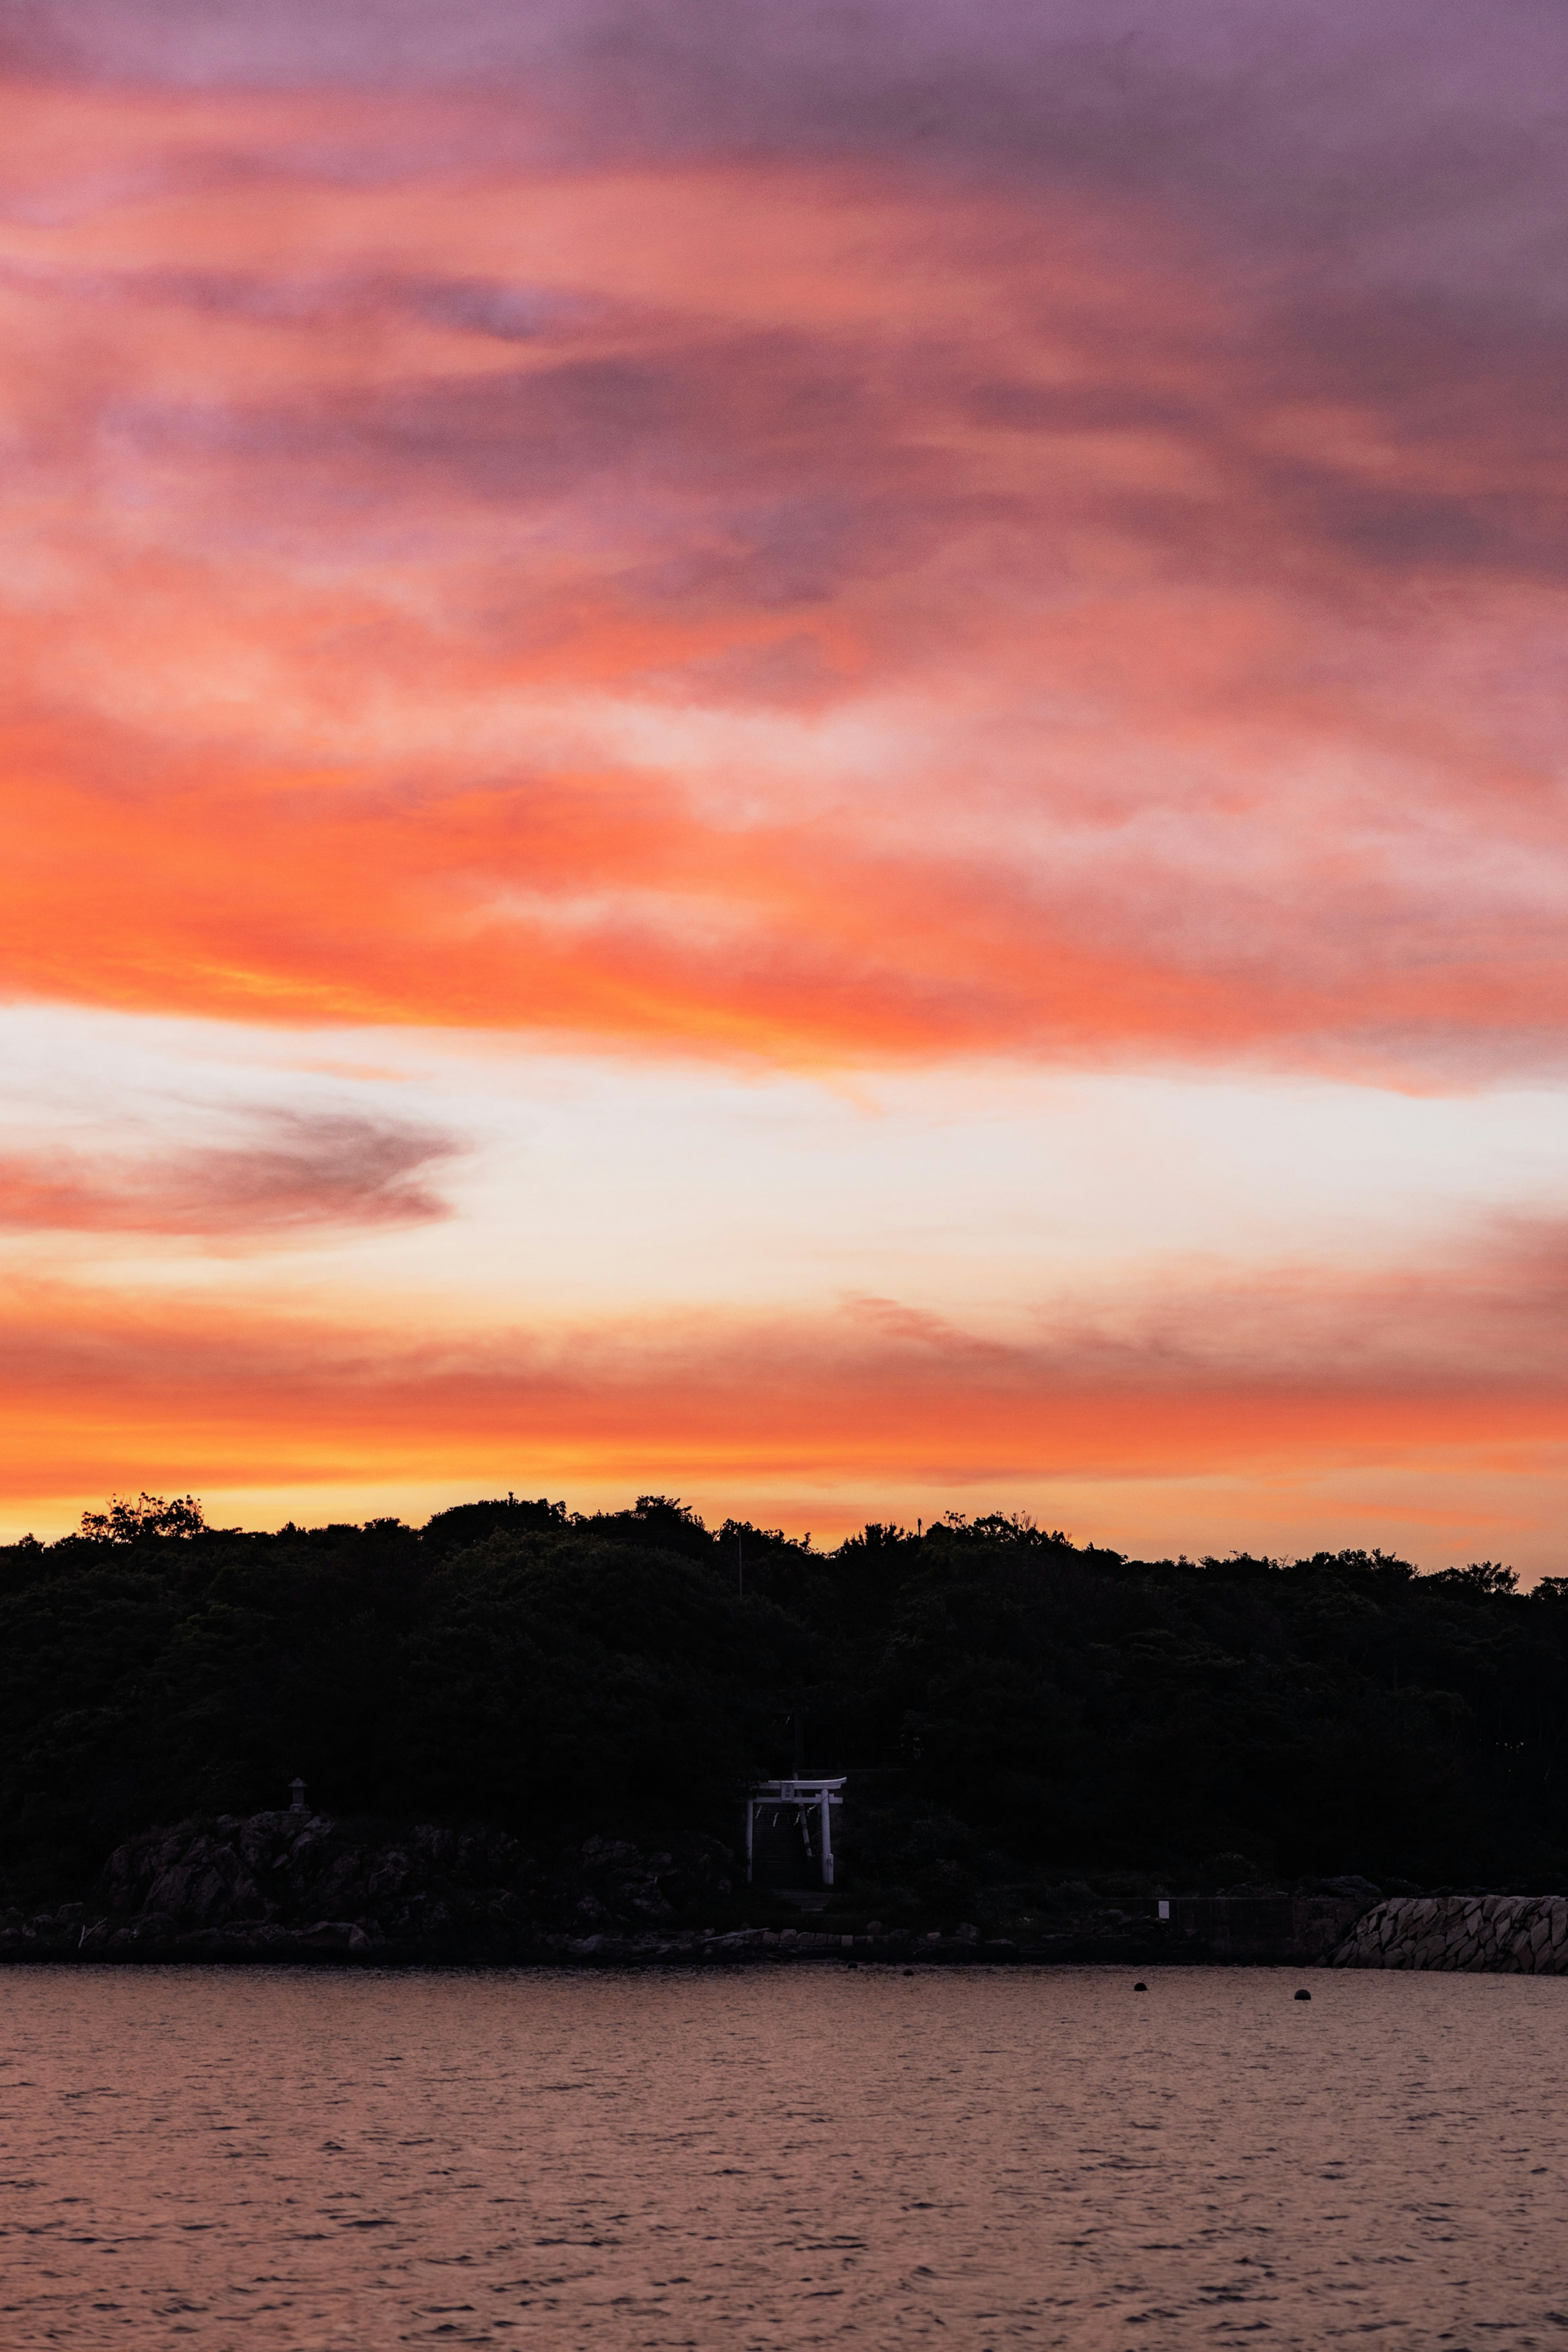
(282, 1885)
(1523, 1934)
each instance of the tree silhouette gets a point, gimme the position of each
(149, 1514)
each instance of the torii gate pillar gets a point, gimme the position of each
(802, 1795)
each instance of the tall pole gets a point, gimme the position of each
(740, 1565)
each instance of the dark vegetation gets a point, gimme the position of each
(1022, 1713)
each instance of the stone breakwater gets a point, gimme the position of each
(1523, 1934)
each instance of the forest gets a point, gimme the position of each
(1013, 1707)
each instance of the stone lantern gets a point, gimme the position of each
(297, 1785)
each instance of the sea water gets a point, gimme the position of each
(781, 2157)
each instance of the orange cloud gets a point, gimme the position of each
(1461, 1366)
(797, 610)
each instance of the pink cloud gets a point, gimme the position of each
(1206, 641)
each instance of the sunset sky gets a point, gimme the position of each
(808, 755)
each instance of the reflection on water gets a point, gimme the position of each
(790, 2157)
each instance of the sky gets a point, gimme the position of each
(809, 755)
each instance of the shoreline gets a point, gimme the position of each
(1496, 1935)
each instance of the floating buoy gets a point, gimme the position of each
(1303, 1996)
(1140, 1988)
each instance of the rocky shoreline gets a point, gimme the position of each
(339, 1941)
(300, 1887)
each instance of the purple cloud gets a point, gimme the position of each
(302, 1170)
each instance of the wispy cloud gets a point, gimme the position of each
(297, 1171)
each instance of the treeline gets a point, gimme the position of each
(1017, 1704)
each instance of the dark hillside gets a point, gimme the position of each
(1022, 1711)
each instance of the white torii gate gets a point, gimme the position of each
(803, 1794)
